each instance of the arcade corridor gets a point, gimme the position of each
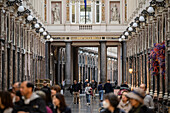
(59, 41)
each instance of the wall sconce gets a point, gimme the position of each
(29, 19)
(22, 11)
(130, 70)
(48, 36)
(13, 2)
(51, 40)
(142, 19)
(151, 11)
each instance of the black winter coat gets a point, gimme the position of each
(117, 110)
(141, 109)
(66, 110)
(36, 105)
(108, 88)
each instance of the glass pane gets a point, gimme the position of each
(82, 1)
(73, 1)
(97, 13)
(82, 14)
(88, 1)
(73, 13)
(88, 14)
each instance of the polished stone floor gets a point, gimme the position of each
(82, 107)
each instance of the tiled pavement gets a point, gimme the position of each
(82, 106)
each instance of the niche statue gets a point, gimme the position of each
(56, 13)
(115, 19)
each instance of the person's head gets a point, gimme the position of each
(124, 97)
(87, 80)
(92, 81)
(110, 101)
(136, 97)
(75, 81)
(26, 88)
(88, 84)
(5, 100)
(108, 81)
(100, 82)
(55, 89)
(41, 94)
(59, 101)
(143, 86)
(16, 87)
(45, 83)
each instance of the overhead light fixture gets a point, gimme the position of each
(130, 70)
(37, 25)
(135, 25)
(44, 33)
(123, 37)
(21, 9)
(141, 19)
(41, 30)
(48, 36)
(151, 11)
(130, 29)
(29, 18)
(51, 39)
(126, 33)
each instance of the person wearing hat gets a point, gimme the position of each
(136, 98)
(110, 104)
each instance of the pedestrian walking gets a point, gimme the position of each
(6, 105)
(100, 89)
(108, 87)
(88, 91)
(148, 100)
(137, 101)
(124, 103)
(94, 87)
(31, 102)
(110, 104)
(60, 104)
(76, 91)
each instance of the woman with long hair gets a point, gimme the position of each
(60, 104)
(6, 105)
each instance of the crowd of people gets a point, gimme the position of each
(25, 98)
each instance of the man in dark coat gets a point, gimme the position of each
(108, 87)
(137, 101)
(31, 102)
(76, 91)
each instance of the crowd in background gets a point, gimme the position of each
(25, 98)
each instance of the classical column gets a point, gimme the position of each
(103, 62)
(124, 61)
(47, 52)
(68, 63)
